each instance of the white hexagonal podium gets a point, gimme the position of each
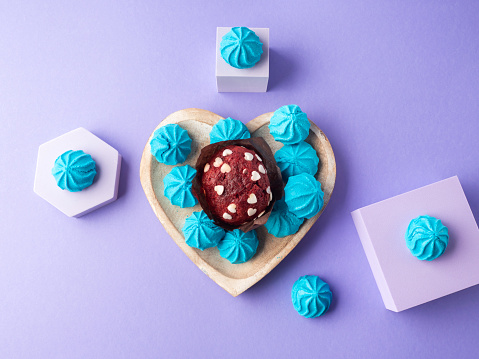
(104, 189)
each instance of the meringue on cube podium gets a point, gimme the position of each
(231, 79)
(403, 280)
(104, 189)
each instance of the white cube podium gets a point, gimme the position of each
(403, 280)
(254, 79)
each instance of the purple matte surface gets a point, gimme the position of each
(393, 84)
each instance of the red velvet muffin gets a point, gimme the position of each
(236, 186)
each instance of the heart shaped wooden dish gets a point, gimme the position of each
(234, 278)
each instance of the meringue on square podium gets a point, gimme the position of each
(254, 79)
(403, 280)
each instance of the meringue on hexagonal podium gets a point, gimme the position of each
(74, 170)
(85, 166)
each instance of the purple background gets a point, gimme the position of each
(393, 84)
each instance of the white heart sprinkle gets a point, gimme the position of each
(255, 176)
(219, 189)
(251, 211)
(261, 169)
(252, 199)
(207, 167)
(261, 214)
(268, 190)
(259, 158)
(227, 152)
(248, 156)
(232, 208)
(227, 216)
(218, 162)
(225, 168)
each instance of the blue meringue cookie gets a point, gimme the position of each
(311, 296)
(74, 170)
(228, 129)
(281, 221)
(289, 125)
(170, 144)
(241, 48)
(295, 159)
(427, 238)
(303, 195)
(238, 246)
(201, 232)
(178, 186)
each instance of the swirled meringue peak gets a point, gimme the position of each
(201, 232)
(241, 48)
(74, 170)
(289, 125)
(170, 144)
(311, 296)
(296, 159)
(281, 221)
(238, 246)
(427, 237)
(303, 195)
(229, 129)
(178, 186)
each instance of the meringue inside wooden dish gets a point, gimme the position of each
(234, 278)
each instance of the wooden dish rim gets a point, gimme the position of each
(233, 286)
